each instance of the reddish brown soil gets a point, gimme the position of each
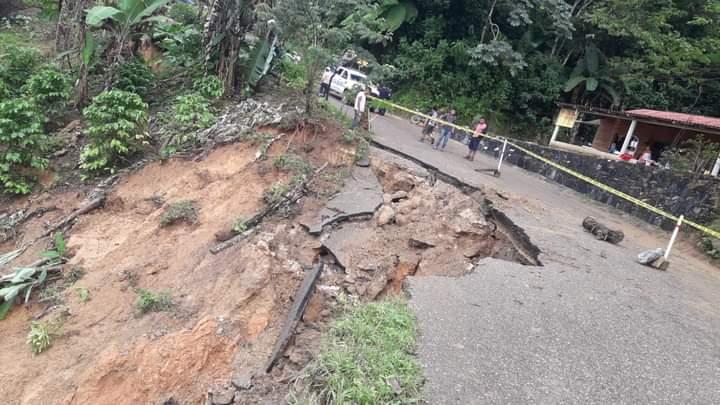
(228, 307)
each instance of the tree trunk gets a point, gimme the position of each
(225, 27)
(70, 32)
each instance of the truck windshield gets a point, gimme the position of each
(357, 78)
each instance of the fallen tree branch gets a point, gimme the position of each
(289, 198)
(302, 298)
(84, 209)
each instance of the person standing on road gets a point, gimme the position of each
(360, 101)
(480, 131)
(446, 131)
(429, 127)
(325, 82)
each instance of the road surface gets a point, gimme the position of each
(591, 326)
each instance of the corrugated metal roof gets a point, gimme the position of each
(674, 117)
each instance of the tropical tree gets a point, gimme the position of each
(590, 80)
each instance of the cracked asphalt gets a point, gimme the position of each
(590, 327)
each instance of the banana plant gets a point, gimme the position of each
(22, 280)
(589, 77)
(121, 21)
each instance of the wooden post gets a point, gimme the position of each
(628, 137)
(554, 134)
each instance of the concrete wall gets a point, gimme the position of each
(668, 190)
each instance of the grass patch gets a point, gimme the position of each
(366, 358)
(151, 301)
(239, 226)
(293, 163)
(330, 111)
(179, 211)
(42, 334)
(276, 192)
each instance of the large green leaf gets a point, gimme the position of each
(5, 308)
(9, 293)
(97, 15)
(256, 62)
(394, 17)
(23, 274)
(613, 94)
(411, 11)
(592, 59)
(59, 243)
(89, 48)
(591, 84)
(573, 82)
(147, 11)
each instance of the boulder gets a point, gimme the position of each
(385, 215)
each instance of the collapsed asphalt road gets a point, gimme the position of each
(591, 326)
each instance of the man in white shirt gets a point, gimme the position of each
(360, 100)
(325, 82)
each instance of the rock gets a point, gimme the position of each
(59, 153)
(363, 162)
(660, 264)
(385, 215)
(420, 244)
(223, 397)
(399, 195)
(387, 198)
(401, 181)
(649, 256)
(223, 236)
(376, 286)
(402, 219)
(368, 264)
(408, 206)
(242, 380)
(481, 249)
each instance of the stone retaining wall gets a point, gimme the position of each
(671, 191)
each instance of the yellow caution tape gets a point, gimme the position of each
(562, 168)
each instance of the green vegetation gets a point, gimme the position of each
(276, 192)
(293, 163)
(366, 358)
(192, 111)
(22, 145)
(42, 334)
(17, 63)
(239, 226)
(151, 301)
(21, 282)
(179, 211)
(83, 294)
(135, 77)
(49, 89)
(183, 13)
(209, 87)
(117, 122)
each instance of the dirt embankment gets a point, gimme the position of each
(229, 308)
(226, 306)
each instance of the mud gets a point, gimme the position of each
(228, 308)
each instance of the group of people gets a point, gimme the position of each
(446, 120)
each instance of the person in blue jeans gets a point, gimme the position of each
(446, 130)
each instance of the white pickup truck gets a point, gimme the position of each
(345, 79)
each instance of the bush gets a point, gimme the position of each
(179, 211)
(135, 77)
(150, 301)
(22, 144)
(182, 44)
(183, 13)
(192, 111)
(5, 91)
(117, 122)
(49, 89)
(17, 64)
(41, 335)
(210, 87)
